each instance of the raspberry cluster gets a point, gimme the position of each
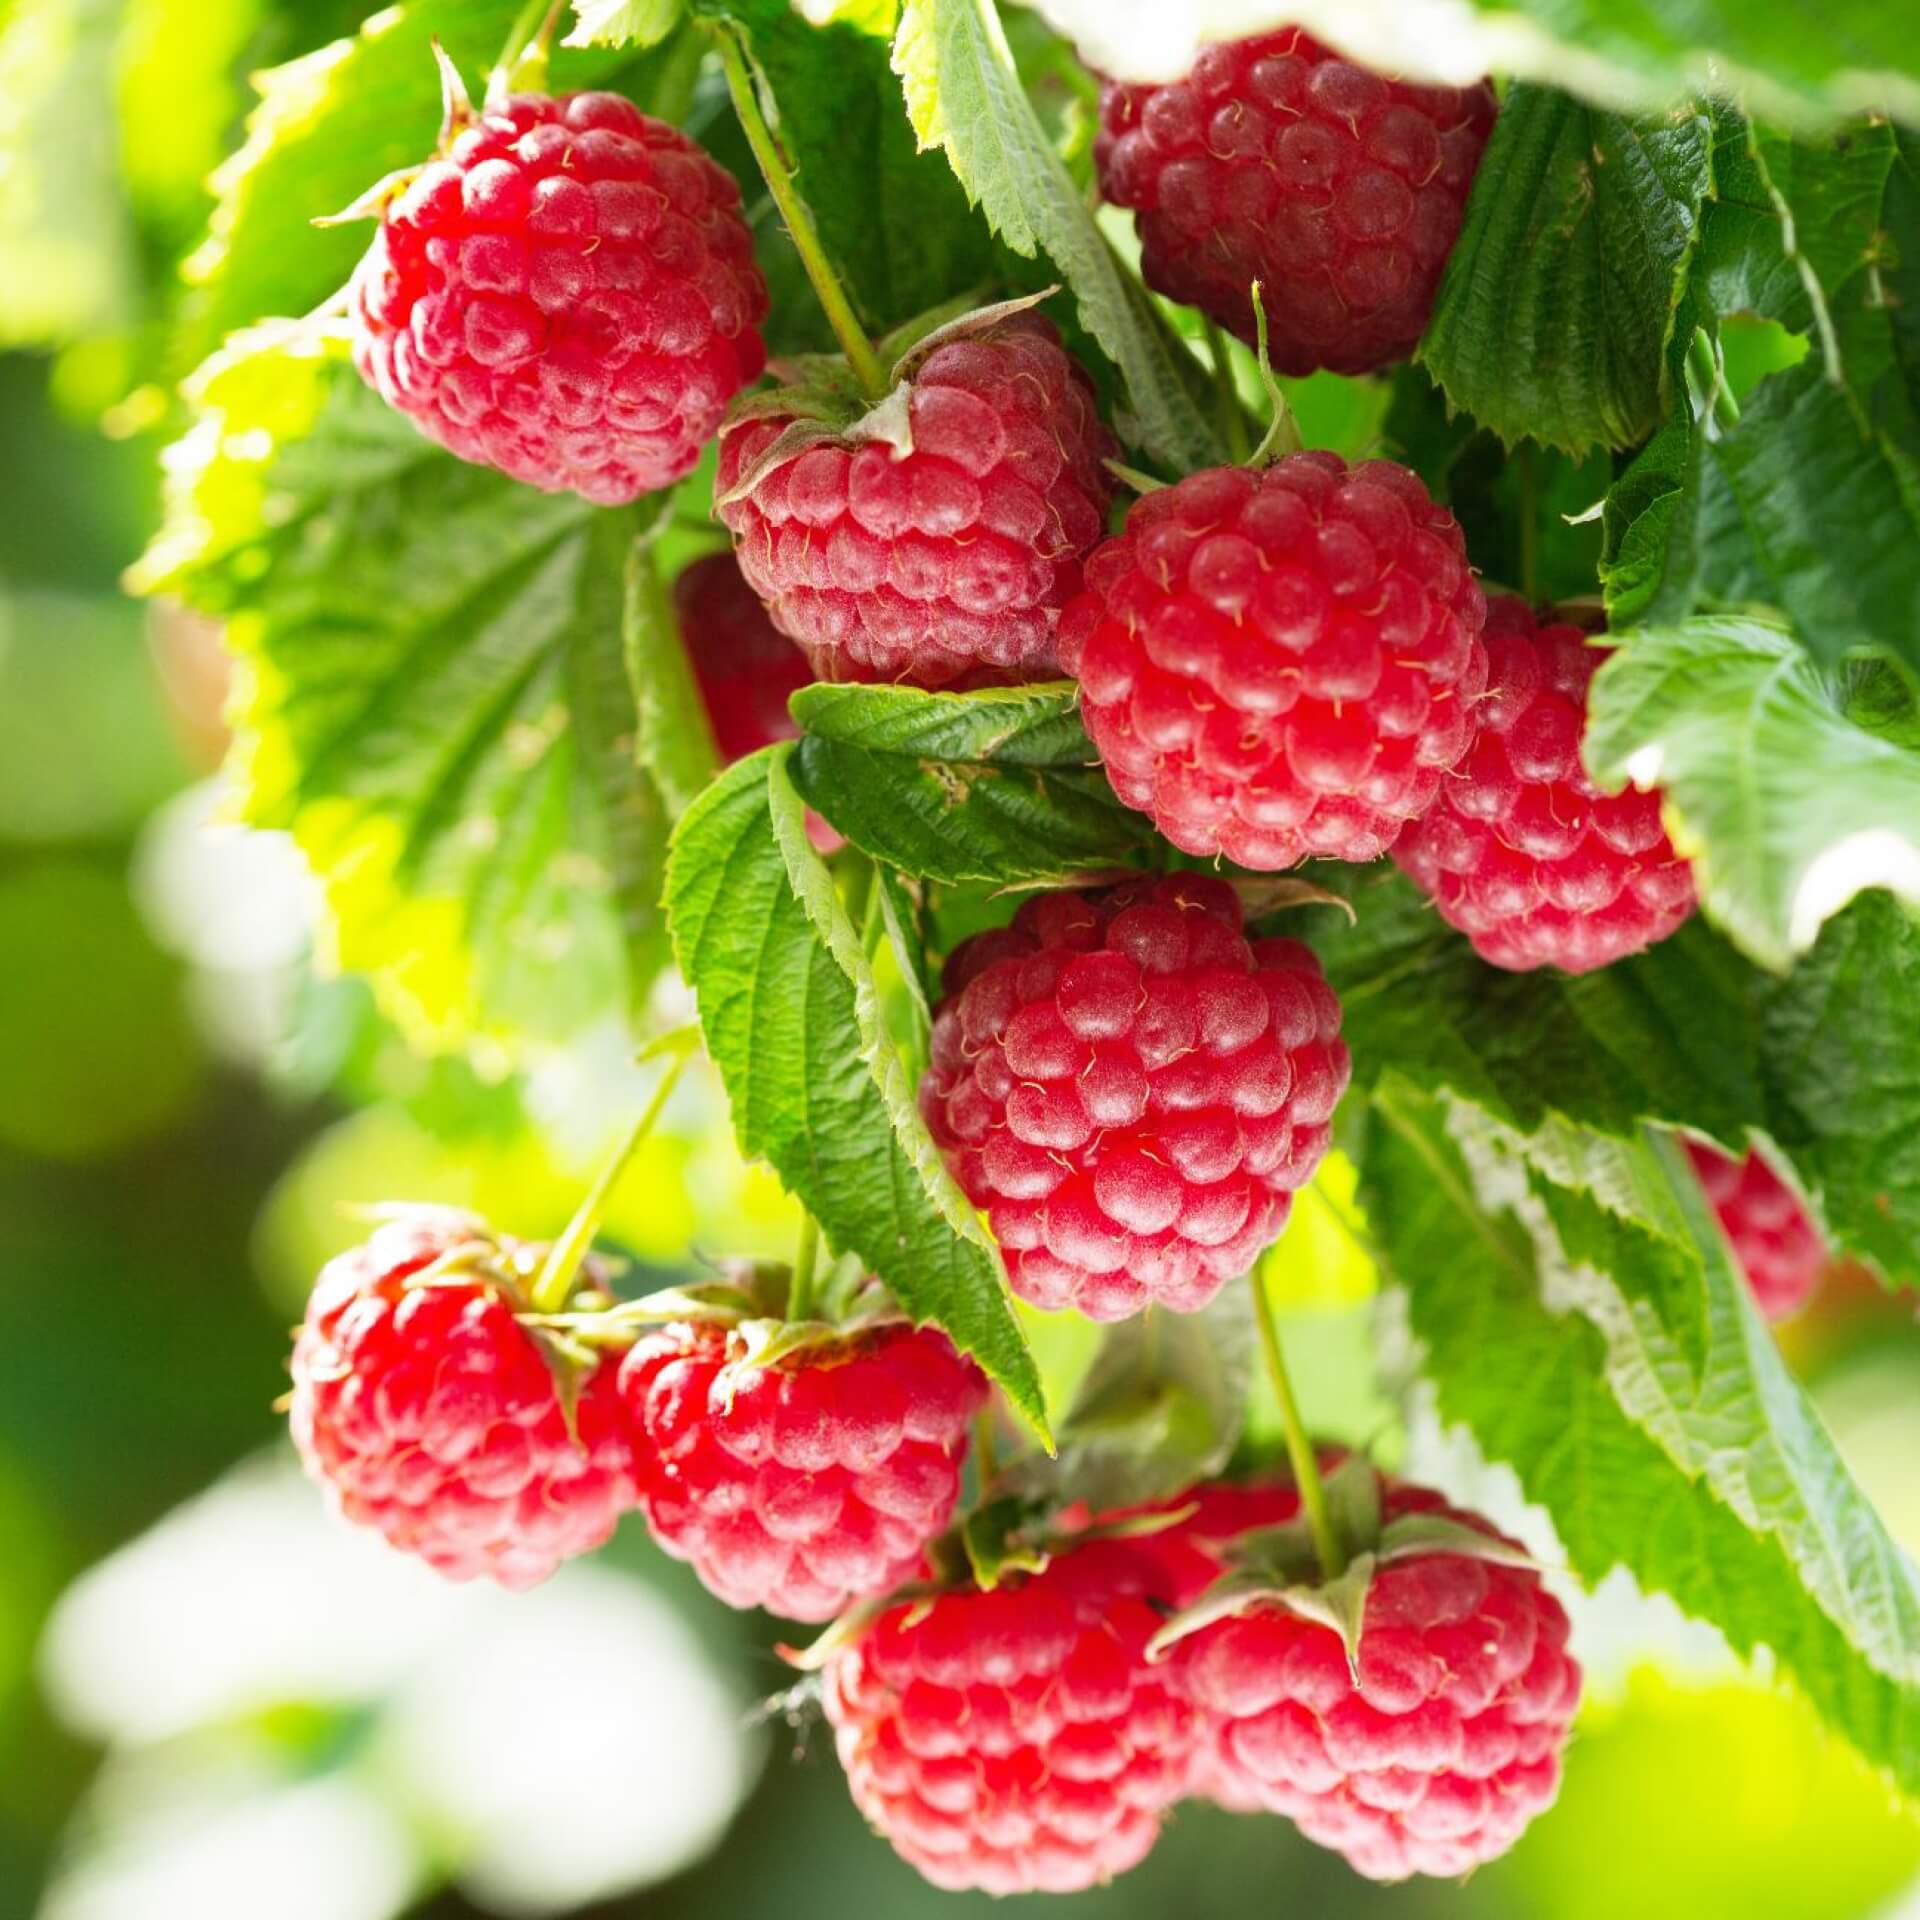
(945, 565)
(1283, 663)
(568, 295)
(1339, 190)
(1522, 852)
(428, 1411)
(1773, 1236)
(806, 1484)
(1133, 1091)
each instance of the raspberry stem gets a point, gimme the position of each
(806, 1260)
(522, 66)
(1283, 431)
(774, 169)
(1306, 1467)
(550, 1291)
(1711, 373)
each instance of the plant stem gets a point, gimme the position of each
(522, 66)
(1233, 419)
(1529, 524)
(806, 1261)
(1283, 431)
(986, 1448)
(1306, 1467)
(1712, 375)
(854, 343)
(550, 1290)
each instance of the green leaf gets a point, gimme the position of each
(992, 786)
(1787, 809)
(1559, 298)
(964, 95)
(792, 1021)
(1618, 1366)
(622, 23)
(673, 736)
(431, 697)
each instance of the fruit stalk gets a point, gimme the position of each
(806, 1259)
(1306, 1467)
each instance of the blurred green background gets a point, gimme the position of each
(214, 1702)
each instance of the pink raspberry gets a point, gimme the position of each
(946, 565)
(746, 668)
(806, 1484)
(428, 1411)
(1016, 1741)
(1340, 191)
(1773, 1236)
(567, 294)
(1133, 1092)
(1283, 663)
(1441, 1751)
(1522, 852)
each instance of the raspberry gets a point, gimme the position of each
(567, 294)
(746, 668)
(1340, 191)
(1016, 1741)
(429, 1412)
(947, 565)
(805, 1484)
(1522, 852)
(1283, 663)
(1778, 1246)
(1132, 1092)
(1442, 1749)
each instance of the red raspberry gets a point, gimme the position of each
(429, 1412)
(800, 1486)
(1283, 663)
(1773, 1236)
(1340, 191)
(746, 668)
(1016, 1741)
(568, 294)
(1132, 1092)
(1444, 1748)
(1522, 852)
(947, 565)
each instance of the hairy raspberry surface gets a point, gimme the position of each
(1132, 1091)
(568, 294)
(429, 1412)
(1280, 664)
(800, 1486)
(1442, 1750)
(1779, 1248)
(1522, 852)
(948, 565)
(1016, 1741)
(1340, 191)
(747, 669)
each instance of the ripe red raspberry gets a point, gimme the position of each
(1778, 1246)
(1283, 663)
(428, 1411)
(946, 565)
(1016, 1741)
(1442, 1749)
(1340, 191)
(567, 294)
(806, 1484)
(1522, 852)
(1132, 1092)
(746, 668)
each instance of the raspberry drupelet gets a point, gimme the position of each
(567, 294)
(1132, 1091)
(806, 1484)
(1339, 190)
(1281, 663)
(429, 1412)
(945, 565)
(1522, 852)
(1779, 1247)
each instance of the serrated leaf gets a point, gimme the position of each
(1705, 1473)
(431, 697)
(789, 1011)
(1787, 809)
(964, 95)
(623, 23)
(1559, 297)
(992, 786)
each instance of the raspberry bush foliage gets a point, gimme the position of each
(730, 534)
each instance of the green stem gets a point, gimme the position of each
(1306, 1467)
(806, 1262)
(550, 1291)
(1712, 375)
(986, 1447)
(522, 66)
(806, 236)
(1283, 432)
(1226, 393)
(1529, 525)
